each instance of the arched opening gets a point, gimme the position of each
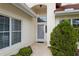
(41, 11)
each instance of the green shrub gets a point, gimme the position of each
(26, 51)
(77, 29)
(63, 40)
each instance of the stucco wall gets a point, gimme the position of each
(28, 28)
(50, 20)
(67, 16)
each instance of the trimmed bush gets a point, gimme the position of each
(63, 40)
(77, 29)
(26, 51)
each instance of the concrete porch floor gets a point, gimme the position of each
(40, 49)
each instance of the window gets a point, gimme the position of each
(46, 29)
(76, 23)
(42, 19)
(4, 31)
(16, 31)
(16, 25)
(69, 20)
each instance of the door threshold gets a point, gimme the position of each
(40, 42)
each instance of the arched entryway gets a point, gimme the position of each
(41, 11)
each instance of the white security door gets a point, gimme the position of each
(40, 32)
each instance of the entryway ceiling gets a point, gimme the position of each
(40, 9)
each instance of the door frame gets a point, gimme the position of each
(41, 40)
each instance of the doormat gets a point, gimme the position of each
(40, 42)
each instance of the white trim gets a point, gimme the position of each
(10, 31)
(41, 22)
(7, 14)
(34, 4)
(40, 40)
(66, 11)
(14, 30)
(72, 20)
(25, 8)
(36, 30)
(45, 34)
(10, 28)
(60, 13)
(6, 31)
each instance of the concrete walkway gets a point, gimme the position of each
(40, 49)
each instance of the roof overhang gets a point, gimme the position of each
(25, 8)
(70, 12)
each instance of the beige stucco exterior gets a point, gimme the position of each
(40, 11)
(49, 7)
(67, 16)
(28, 28)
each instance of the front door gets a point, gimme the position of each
(40, 32)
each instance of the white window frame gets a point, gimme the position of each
(10, 28)
(71, 20)
(10, 31)
(14, 31)
(6, 31)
